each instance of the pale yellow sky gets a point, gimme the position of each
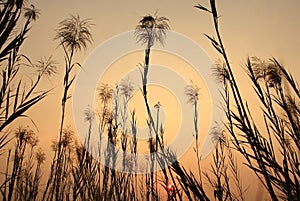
(249, 28)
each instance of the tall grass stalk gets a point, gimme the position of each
(275, 169)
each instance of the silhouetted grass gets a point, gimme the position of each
(270, 150)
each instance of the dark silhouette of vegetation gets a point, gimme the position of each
(23, 168)
(192, 93)
(151, 29)
(270, 150)
(73, 35)
(15, 98)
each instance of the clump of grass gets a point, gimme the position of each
(16, 98)
(23, 176)
(270, 151)
(73, 35)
